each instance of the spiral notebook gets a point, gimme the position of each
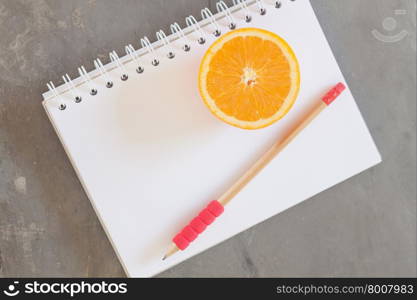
(150, 155)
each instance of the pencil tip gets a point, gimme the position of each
(170, 252)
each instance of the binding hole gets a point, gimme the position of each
(124, 77)
(93, 92)
(217, 32)
(263, 11)
(78, 99)
(155, 62)
(62, 106)
(140, 70)
(232, 26)
(201, 40)
(248, 18)
(109, 84)
(171, 55)
(278, 4)
(186, 48)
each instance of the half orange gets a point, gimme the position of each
(249, 78)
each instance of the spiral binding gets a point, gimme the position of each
(161, 36)
(87, 79)
(176, 29)
(51, 87)
(145, 43)
(222, 7)
(207, 14)
(99, 65)
(262, 9)
(115, 58)
(192, 22)
(134, 56)
(71, 88)
(178, 34)
(243, 5)
(278, 4)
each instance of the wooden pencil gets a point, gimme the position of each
(215, 208)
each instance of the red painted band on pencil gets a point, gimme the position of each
(333, 93)
(190, 232)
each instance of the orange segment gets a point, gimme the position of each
(249, 78)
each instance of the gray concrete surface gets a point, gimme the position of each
(365, 226)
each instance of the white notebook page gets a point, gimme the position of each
(150, 155)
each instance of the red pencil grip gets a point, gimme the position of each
(333, 93)
(190, 232)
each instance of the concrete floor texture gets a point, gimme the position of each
(365, 226)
